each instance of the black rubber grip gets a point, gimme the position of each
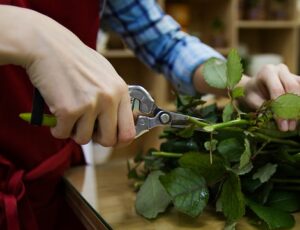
(38, 105)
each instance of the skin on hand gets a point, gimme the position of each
(270, 82)
(79, 85)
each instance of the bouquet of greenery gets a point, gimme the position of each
(235, 161)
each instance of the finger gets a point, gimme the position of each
(63, 128)
(292, 125)
(297, 78)
(274, 85)
(106, 133)
(288, 80)
(84, 129)
(126, 127)
(254, 100)
(282, 125)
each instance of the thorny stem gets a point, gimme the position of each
(138, 184)
(260, 149)
(289, 181)
(210, 149)
(233, 104)
(198, 123)
(166, 154)
(211, 128)
(275, 140)
(289, 188)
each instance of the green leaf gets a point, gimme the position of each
(209, 113)
(227, 112)
(219, 205)
(179, 146)
(231, 149)
(234, 69)
(232, 198)
(201, 163)
(186, 102)
(274, 218)
(214, 73)
(210, 145)
(246, 156)
(263, 193)
(153, 163)
(287, 106)
(238, 92)
(265, 173)
(230, 226)
(284, 200)
(187, 189)
(187, 132)
(242, 171)
(152, 198)
(250, 185)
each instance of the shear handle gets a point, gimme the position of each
(146, 103)
(144, 123)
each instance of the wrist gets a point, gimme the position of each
(244, 81)
(202, 87)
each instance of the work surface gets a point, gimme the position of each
(103, 199)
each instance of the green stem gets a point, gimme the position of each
(210, 149)
(260, 149)
(289, 188)
(233, 104)
(289, 181)
(211, 128)
(166, 154)
(138, 184)
(198, 123)
(275, 140)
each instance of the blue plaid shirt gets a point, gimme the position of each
(157, 40)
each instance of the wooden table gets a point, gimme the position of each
(103, 199)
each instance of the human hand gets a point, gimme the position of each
(271, 82)
(80, 87)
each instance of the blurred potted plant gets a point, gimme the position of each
(241, 9)
(218, 38)
(180, 11)
(277, 10)
(256, 9)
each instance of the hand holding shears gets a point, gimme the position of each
(149, 115)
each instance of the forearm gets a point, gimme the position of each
(202, 87)
(16, 35)
(162, 46)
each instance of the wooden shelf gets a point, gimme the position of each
(266, 24)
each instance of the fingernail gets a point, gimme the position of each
(284, 126)
(292, 125)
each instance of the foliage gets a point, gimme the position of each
(238, 162)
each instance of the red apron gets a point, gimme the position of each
(32, 162)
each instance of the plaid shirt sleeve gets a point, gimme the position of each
(157, 40)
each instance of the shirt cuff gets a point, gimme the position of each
(189, 56)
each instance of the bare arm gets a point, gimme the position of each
(78, 84)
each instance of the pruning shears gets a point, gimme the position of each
(149, 115)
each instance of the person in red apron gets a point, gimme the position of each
(32, 162)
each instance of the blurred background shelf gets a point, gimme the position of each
(267, 24)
